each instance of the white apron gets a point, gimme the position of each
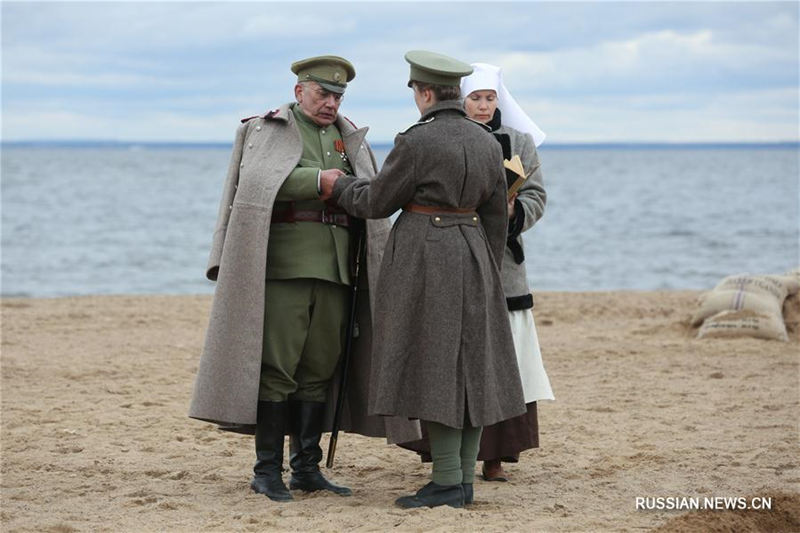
(535, 383)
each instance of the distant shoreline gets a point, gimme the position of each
(11, 297)
(163, 145)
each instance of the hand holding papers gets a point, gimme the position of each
(515, 166)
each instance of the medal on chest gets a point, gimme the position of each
(338, 145)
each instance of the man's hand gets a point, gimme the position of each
(327, 179)
(511, 206)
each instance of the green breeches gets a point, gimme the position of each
(454, 452)
(304, 328)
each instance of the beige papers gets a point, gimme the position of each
(515, 166)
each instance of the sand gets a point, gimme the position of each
(95, 434)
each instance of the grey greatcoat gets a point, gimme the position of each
(443, 347)
(531, 198)
(266, 150)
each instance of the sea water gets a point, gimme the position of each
(139, 219)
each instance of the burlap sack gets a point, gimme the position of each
(760, 294)
(735, 324)
(791, 309)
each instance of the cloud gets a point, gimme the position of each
(602, 63)
(172, 126)
(285, 25)
(651, 62)
(757, 116)
(96, 79)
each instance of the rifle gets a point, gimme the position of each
(348, 348)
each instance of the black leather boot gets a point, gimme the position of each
(270, 428)
(433, 495)
(305, 453)
(468, 493)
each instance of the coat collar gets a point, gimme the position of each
(447, 105)
(352, 136)
(346, 127)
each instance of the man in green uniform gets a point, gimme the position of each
(307, 275)
(307, 289)
(307, 286)
(280, 258)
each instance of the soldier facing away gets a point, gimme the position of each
(446, 355)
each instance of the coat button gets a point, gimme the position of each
(329, 154)
(475, 219)
(258, 128)
(437, 219)
(322, 132)
(241, 165)
(230, 207)
(250, 145)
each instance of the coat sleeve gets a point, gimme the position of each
(301, 184)
(390, 190)
(226, 204)
(494, 215)
(531, 195)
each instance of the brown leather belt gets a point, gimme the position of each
(438, 210)
(334, 218)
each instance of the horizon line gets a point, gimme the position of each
(98, 143)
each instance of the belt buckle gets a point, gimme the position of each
(325, 218)
(335, 219)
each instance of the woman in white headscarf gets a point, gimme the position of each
(487, 100)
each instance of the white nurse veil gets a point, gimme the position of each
(489, 77)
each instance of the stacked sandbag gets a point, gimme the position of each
(746, 305)
(791, 309)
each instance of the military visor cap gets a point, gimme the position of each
(437, 69)
(331, 72)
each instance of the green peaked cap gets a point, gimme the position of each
(438, 69)
(331, 72)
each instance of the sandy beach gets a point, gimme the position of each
(95, 435)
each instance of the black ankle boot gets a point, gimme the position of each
(434, 495)
(270, 427)
(305, 453)
(468, 494)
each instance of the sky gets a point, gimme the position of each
(594, 72)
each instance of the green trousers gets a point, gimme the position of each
(304, 327)
(454, 452)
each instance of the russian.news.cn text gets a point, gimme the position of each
(706, 503)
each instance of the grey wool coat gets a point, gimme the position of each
(530, 204)
(442, 345)
(266, 149)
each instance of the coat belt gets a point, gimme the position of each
(325, 216)
(437, 210)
